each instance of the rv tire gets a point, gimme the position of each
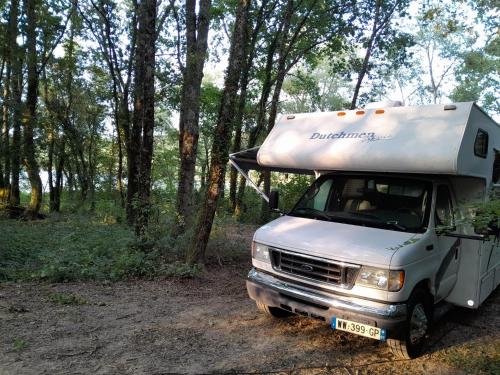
(418, 322)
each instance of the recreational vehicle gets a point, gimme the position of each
(382, 235)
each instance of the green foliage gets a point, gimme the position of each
(67, 299)
(69, 248)
(291, 188)
(315, 89)
(226, 245)
(180, 270)
(487, 214)
(82, 247)
(19, 344)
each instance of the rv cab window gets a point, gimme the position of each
(392, 203)
(444, 207)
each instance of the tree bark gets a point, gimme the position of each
(381, 20)
(50, 155)
(59, 179)
(265, 213)
(261, 118)
(238, 124)
(29, 120)
(278, 44)
(9, 60)
(141, 152)
(196, 45)
(16, 83)
(220, 147)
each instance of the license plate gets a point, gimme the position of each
(359, 329)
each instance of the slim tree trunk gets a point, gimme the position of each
(49, 170)
(29, 120)
(59, 178)
(278, 44)
(138, 195)
(4, 140)
(265, 213)
(196, 45)
(223, 129)
(368, 53)
(15, 160)
(236, 146)
(9, 59)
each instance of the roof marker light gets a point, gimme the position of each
(450, 107)
(341, 114)
(379, 111)
(360, 112)
(290, 117)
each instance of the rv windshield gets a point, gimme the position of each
(401, 204)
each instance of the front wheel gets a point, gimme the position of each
(275, 312)
(417, 327)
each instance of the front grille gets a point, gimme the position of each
(313, 268)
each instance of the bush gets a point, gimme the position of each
(66, 248)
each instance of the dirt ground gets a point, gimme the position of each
(209, 325)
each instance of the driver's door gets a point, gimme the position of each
(448, 247)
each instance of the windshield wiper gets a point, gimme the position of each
(395, 224)
(316, 213)
(371, 217)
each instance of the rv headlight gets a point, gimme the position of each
(380, 278)
(260, 252)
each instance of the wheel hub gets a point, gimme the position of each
(418, 324)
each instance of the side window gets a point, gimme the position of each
(481, 144)
(318, 197)
(496, 167)
(444, 207)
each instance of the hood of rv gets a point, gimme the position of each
(334, 241)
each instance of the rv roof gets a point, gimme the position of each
(433, 139)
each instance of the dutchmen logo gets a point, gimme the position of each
(364, 137)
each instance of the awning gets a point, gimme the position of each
(247, 161)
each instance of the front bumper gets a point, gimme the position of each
(301, 300)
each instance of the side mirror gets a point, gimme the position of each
(273, 200)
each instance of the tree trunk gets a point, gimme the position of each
(236, 146)
(196, 45)
(141, 152)
(220, 147)
(368, 53)
(59, 179)
(29, 120)
(9, 60)
(15, 161)
(265, 213)
(49, 170)
(277, 44)
(261, 118)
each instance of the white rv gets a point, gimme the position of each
(362, 249)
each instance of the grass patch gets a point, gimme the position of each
(180, 270)
(477, 357)
(19, 344)
(67, 299)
